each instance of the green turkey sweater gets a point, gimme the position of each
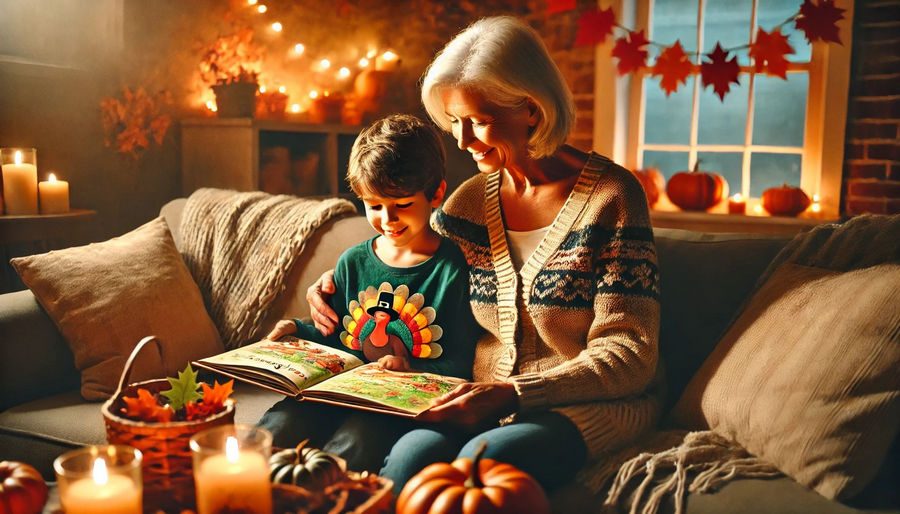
(576, 329)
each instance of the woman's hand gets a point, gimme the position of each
(318, 294)
(472, 404)
(283, 328)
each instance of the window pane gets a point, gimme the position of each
(780, 109)
(771, 13)
(671, 20)
(728, 22)
(772, 170)
(669, 163)
(727, 164)
(723, 123)
(667, 120)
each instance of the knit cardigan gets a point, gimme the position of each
(576, 329)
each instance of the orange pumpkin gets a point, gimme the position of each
(653, 182)
(696, 190)
(785, 200)
(472, 486)
(22, 489)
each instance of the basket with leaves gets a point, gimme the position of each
(158, 417)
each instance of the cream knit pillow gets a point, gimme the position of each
(807, 377)
(104, 297)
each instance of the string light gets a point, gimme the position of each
(314, 94)
(295, 107)
(251, 2)
(282, 89)
(344, 72)
(325, 64)
(299, 49)
(277, 26)
(261, 8)
(372, 53)
(364, 62)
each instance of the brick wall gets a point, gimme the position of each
(872, 151)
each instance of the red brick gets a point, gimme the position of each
(887, 151)
(868, 170)
(585, 125)
(584, 104)
(894, 173)
(855, 151)
(873, 188)
(877, 86)
(864, 205)
(872, 130)
(582, 143)
(878, 109)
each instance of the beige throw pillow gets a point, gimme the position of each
(807, 377)
(105, 297)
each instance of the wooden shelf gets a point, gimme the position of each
(715, 222)
(43, 227)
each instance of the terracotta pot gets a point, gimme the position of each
(235, 100)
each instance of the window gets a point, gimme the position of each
(768, 131)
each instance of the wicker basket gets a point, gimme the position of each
(167, 467)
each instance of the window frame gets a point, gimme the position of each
(618, 107)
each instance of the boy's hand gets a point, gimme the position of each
(394, 363)
(318, 295)
(283, 328)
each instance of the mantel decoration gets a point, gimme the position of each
(230, 67)
(769, 49)
(135, 120)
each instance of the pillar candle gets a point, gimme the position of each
(237, 481)
(101, 493)
(54, 196)
(737, 204)
(20, 187)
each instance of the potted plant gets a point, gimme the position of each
(230, 66)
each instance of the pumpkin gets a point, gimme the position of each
(653, 182)
(470, 486)
(696, 190)
(310, 468)
(22, 489)
(785, 200)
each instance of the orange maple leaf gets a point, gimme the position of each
(145, 407)
(768, 52)
(673, 66)
(216, 395)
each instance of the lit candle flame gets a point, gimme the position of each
(261, 9)
(52, 177)
(737, 197)
(231, 449)
(816, 207)
(277, 26)
(99, 472)
(816, 198)
(363, 62)
(211, 105)
(282, 89)
(262, 88)
(299, 49)
(344, 72)
(389, 56)
(372, 53)
(757, 209)
(18, 157)
(325, 64)
(295, 107)
(251, 2)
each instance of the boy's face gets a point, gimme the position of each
(402, 221)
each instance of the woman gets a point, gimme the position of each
(563, 271)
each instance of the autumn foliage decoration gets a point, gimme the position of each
(135, 120)
(187, 400)
(769, 49)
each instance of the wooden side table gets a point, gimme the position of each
(38, 233)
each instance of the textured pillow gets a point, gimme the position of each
(807, 377)
(105, 297)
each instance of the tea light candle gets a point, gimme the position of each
(737, 204)
(101, 493)
(54, 195)
(237, 481)
(19, 181)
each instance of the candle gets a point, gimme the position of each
(100, 480)
(388, 61)
(19, 167)
(737, 204)
(237, 481)
(54, 195)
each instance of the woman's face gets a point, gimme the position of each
(495, 136)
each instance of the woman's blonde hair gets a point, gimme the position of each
(505, 60)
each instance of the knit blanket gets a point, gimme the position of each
(671, 464)
(240, 247)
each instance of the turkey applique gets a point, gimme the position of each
(391, 322)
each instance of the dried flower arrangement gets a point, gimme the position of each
(183, 402)
(135, 119)
(234, 58)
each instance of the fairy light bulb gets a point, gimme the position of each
(282, 89)
(299, 49)
(277, 26)
(344, 72)
(364, 62)
(295, 107)
(325, 64)
(262, 88)
(314, 94)
(251, 2)
(261, 9)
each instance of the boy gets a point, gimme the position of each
(403, 294)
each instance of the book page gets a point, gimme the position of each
(405, 392)
(292, 362)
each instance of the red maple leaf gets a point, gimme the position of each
(768, 51)
(673, 66)
(594, 25)
(719, 71)
(820, 21)
(558, 6)
(629, 52)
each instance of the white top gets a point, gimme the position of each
(522, 244)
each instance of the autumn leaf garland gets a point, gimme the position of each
(769, 49)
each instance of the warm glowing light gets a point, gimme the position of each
(816, 198)
(326, 93)
(277, 26)
(737, 197)
(325, 64)
(363, 62)
(757, 209)
(261, 8)
(231, 449)
(99, 472)
(295, 107)
(816, 207)
(389, 56)
(262, 88)
(18, 157)
(344, 72)
(52, 177)
(211, 105)
(282, 89)
(251, 2)
(371, 53)
(299, 49)
(314, 94)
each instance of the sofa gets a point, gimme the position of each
(705, 280)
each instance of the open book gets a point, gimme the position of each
(309, 371)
